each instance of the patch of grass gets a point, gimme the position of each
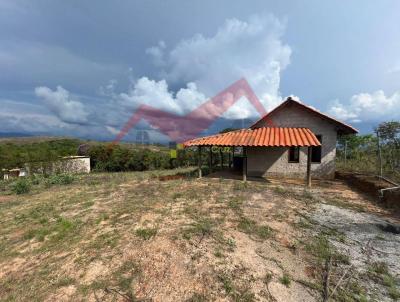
(236, 294)
(88, 204)
(227, 283)
(304, 224)
(280, 190)
(56, 231)
(64, 227)
(218, 253)
(240, 185)
(379, 268)
(345, 204)
(125, 275)
(196, 297)
(102, 217)
(21, 186)
(203, 227)
(285, 280)
(177, 195)
(231, 243)
(235, 203)
(106, 240)
(322, 249)
(379, 271)
(394, 293)
(146, 233)
(244, 295)
(250, 227)
(65, 281)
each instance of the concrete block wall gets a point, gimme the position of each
(264, 161)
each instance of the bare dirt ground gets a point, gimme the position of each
(133, 237)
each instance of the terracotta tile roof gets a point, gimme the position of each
(262, 137)
(343, 127)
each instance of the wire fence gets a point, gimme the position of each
(374, 154)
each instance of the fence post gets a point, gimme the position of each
(199, 160)
(345, 154)
(379, 155)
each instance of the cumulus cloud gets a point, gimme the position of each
(368, 107)
(157, 53)
(190, 72)
(251, 49)
(60, 102)
(157, 93)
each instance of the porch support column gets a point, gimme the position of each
(221, 157)
(244, 164)
(229, 159)
(199, 160)
(211, 159)
(309, 167)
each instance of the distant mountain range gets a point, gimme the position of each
(16, 134)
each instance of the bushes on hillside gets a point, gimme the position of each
(119, 158)
(41, 156)
(60, 179)
(16, 154)
(21, 186)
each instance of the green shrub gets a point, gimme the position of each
(60, 179)
(21, 186)
(250, 227)
(285, 280)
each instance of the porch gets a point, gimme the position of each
(255, 138)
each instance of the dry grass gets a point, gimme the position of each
(129, 237)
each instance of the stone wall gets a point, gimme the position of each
(73, 165)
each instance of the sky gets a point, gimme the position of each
(82, 68)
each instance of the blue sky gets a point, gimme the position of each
(82, 67)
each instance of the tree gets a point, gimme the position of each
(389, 133)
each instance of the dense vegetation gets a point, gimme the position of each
(127, 158)
(361, 153)
(15, 153)
(104, 156)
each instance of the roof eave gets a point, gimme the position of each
(343, 128)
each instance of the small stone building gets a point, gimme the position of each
(286, 142)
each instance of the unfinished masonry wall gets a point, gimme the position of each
(73, 165)
(273, 161)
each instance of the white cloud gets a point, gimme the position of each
(200, 67)
(366, 107)
(61, 103)
(251, 49)
(157, 94)
(157, 52)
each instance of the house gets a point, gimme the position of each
(293, 140)
(13, 173)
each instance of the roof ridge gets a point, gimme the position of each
(308, 107)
